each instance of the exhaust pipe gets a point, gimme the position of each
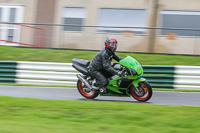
(84, 81)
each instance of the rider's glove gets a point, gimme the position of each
(120, 73)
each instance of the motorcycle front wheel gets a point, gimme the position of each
(144, 92)
(89, 95)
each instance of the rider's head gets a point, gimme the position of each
(111, 43)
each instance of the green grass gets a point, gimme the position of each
(22, 115)
(52, 55)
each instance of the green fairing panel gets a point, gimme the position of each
(114, 81)
(114, 86)
(133, 64)
(130, 63)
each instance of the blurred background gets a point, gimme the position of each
(146, 26)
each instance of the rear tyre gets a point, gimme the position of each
(89, 95)
(146, 91)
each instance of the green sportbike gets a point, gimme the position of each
(130, 83)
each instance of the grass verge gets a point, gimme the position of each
(52, 55)
(23, 115)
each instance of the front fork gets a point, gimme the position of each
(135, 84)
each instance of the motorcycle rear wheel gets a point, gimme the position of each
(145, 86)
(89, 95)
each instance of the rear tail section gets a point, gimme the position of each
(81, 65)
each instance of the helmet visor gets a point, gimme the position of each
(113, 46)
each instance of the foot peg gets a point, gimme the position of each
(103, 90)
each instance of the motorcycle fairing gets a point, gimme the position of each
(133, 64)
(114, 84)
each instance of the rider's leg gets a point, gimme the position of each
(102, 81)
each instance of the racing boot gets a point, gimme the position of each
(95, 86)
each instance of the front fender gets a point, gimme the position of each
(136, 81)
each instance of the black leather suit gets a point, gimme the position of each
(102, 61)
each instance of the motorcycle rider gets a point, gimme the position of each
(102, 61)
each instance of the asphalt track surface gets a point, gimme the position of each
(158, 97)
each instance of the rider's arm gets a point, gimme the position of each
(117, 58)
(107, 64)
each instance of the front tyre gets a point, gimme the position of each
(89, 95)
(145, 91)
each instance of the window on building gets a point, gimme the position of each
(73, 16)
(180, 19)
(10, 32)
(114, 17)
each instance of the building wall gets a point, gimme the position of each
(45, 15)
(89, 38)
(29, 16)
(50, 11)
(181, 45)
